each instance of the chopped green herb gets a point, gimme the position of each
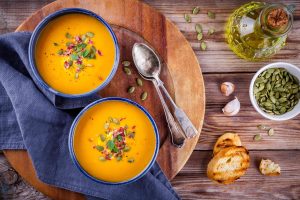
(119, 158)
(119, 137)
(110, 145)
(74, 56)
(86, 53)
(127, 148)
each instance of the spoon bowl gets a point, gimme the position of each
(146, 61)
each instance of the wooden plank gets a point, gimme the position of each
(223, 59)
(192, 182)
(287, 133)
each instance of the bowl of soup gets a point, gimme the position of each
(73, 53)
(114, 141)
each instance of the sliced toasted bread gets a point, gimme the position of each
(269, 168)
(227, 140)
(229, 164)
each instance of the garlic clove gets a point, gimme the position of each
(232, 107)
(227, 88)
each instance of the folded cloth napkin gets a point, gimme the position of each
(34, 119)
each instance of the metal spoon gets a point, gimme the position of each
(149, 66)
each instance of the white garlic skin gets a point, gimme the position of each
(232, 108)
(227, 88)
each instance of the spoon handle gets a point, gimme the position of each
(184, 121)
(177, 137)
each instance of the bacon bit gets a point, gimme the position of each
(78, 69)
(78, 39)
(122, 118)
(99, 52)
(100, 78)
(71, 46)
(90, 42)
(79, 62)
(94, 147)
(133, 127)
(66, 64)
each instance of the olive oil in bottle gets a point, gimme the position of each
(257, 30)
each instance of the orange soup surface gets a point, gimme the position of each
(75, 53)
(114, 141)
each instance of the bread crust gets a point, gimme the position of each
(228, 165)
(269, 168)
(227, 140)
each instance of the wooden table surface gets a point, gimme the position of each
(218, 64)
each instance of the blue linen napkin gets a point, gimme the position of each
(34, 119)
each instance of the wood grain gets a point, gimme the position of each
(175, 51)
(218, 64)
(192, 182)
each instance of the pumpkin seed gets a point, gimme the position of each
(203, 46)
(144, 96)
(139, 82)
(276, 91)
(210, 31)
(263, 127)
(257, 137)
(126, 63)
(198, 28)
(196, 10)
(211, 15)
(131, 89)
(271, 132)
(199, 36)
(127, 70)
(187, 18)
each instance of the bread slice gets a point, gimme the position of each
(269, 168)
(228, 165)
(227, 140)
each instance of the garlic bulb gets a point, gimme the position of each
(227, 88)
(232, 107)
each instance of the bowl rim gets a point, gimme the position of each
(34, 38)
(253, 100)
(72, 133)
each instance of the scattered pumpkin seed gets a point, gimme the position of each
(139, 82)
(68, 35)
(198, 28)
(127, 70)
(131, 89)
(102, 137)
(187, 18)
(211, 31)
(211, 15)
(199, 36)
(263, 127)
(257, 137)
(126, 63)
(119, 158)
(203, 46)
(144, 96)
(196, 10)
(99, 148)
(271, 132)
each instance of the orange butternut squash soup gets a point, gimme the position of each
(75, 53)
(114, 141)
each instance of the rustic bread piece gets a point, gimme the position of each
(229, 164)
(269, 168)
(227, 140)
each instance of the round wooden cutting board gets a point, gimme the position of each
(132, 22)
